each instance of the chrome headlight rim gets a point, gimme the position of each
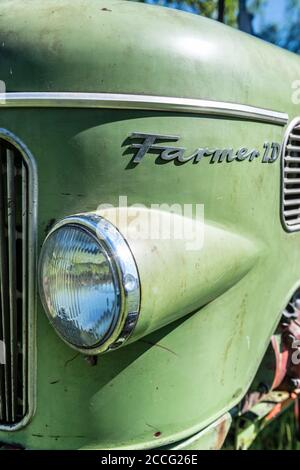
(123, 266)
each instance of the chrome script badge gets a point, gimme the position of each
(152, 144)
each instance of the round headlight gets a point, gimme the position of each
(89, 283)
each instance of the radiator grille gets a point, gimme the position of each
(15, 225)
(291, 177)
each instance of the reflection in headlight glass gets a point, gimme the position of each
(79, 286)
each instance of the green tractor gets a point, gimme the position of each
(149, 228)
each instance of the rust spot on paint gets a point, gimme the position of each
(157, 433)
(221, 434)
(237, 393)
(91, 360)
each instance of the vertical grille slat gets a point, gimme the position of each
(4, 285)
(15, 309)
(12, 268)
(24, 281)
(3, 379)
(291, 177)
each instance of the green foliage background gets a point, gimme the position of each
(209, 9)
(279, 435)
(285, 33)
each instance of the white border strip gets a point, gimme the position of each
(142, 102)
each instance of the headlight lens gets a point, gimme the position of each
(89, 283)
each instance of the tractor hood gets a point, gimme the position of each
(124, 47)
